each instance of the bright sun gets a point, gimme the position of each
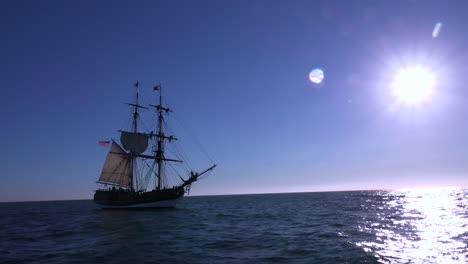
(413, 85)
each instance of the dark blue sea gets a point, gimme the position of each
(412, 226)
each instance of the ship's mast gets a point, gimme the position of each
(135, 129)
(160, 158)
(160, 151)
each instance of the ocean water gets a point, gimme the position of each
(412, 226)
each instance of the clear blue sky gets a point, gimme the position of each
(237, 73)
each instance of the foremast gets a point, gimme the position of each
(161, 138)
(159, 153)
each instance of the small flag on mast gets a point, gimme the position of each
(157, 87)
(104, 143)
(136, 84)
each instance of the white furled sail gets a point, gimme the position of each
(134, 142)
(117, 167)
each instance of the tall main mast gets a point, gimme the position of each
(160, 151)
(135, 143)
(135, 129)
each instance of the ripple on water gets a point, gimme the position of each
(425, 229)
(411, 226)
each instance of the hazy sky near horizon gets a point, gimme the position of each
(237, 73)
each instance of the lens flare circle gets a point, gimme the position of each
(413, 85)
(316, 76)
(437, 29)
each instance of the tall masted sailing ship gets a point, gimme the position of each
(140, 159)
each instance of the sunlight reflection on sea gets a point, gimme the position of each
(417, 226)
(410, 226)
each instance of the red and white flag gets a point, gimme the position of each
(104, 143)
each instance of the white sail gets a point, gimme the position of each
(134, 142)
(117, 167)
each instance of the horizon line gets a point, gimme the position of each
(260, 193)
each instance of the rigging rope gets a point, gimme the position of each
(179, 121)
(181, 124)
(177, 149)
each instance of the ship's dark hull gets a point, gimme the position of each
(126, 199)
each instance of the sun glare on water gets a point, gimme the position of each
(413, 85)
(418, 226)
